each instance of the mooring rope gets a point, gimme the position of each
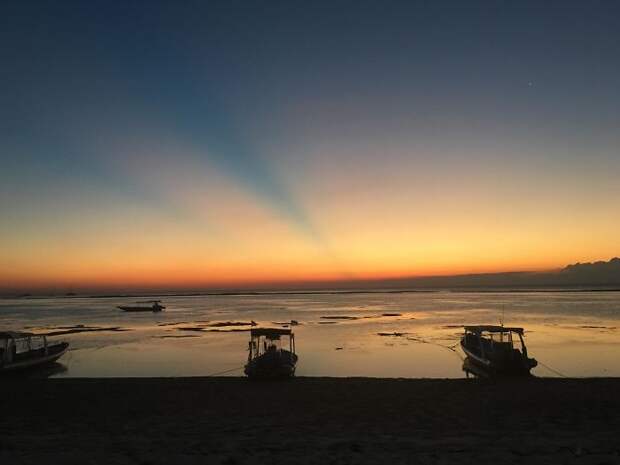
(424, 341)
(560, 374)
(224, 372)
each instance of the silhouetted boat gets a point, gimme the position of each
(494, 349)
(267, 358)
(19, 351)
(154, 307)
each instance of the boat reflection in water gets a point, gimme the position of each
(495, 351)
(42, 372)
(267, 358)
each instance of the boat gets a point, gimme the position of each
(19, 351)
(154, 307)
(267, 358)
(498, 350)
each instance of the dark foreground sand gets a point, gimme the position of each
(309, 420)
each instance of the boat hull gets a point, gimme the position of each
(475, 369)
(141, 309)
(272, 365)
(519, 366)
(54, 353)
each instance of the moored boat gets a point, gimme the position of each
(498, 350)
(154, 307)
(19, 351)
(267, 358)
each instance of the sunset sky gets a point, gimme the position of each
(181, 144)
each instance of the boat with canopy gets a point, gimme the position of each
(267, 358)
(19, 350)
(497, 349)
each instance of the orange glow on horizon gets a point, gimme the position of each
(206, 230)
(229, 278)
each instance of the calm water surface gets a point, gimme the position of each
(575, 333)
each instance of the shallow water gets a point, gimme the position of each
(573, 333)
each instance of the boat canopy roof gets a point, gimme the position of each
(493, 329)
(270, 333)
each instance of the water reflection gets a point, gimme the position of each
(38, 372)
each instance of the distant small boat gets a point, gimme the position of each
(154, 307)
(267, 358)
(19, 351)
(495, 350)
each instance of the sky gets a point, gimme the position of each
(215, 144)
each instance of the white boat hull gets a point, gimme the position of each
(475, 358)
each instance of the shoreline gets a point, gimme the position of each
(310, 420)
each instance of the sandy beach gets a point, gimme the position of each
(309, 420)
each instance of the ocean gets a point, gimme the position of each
(378, 334)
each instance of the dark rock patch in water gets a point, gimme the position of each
(231, 323)
(286, 323)
(340, 317)
(220, 327)
(64, 330)
(231, 330)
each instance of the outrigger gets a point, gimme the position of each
(19, 351)
(267, 358)
(496, 350)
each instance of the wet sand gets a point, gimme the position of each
(309, 420)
